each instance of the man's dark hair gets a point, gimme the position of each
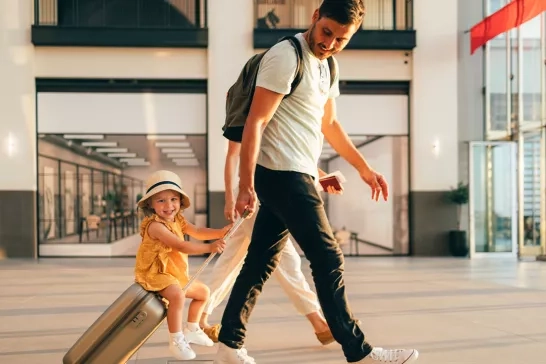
(343, 11)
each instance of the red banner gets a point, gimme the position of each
(509, 17)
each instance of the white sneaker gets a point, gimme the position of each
(227, 355)
(197, 337)
(181, 350)
(393, 356)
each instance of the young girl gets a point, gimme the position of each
(162, 259)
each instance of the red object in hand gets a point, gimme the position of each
(330, 181)
(334, 179)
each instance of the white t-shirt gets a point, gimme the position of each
(292, 140)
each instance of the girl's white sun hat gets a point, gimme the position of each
(161, 181)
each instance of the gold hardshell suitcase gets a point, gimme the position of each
(127, 323)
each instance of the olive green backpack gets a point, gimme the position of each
(239, 95)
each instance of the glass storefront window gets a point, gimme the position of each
(68, 198)
(85, 192)
(531, 69)
(515, 107)
(497, 81)
(69, 193)
(543, 70)
(48, 199)
(514, 75)
(98, 193)
(531, 188)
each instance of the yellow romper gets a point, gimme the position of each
(157, 265)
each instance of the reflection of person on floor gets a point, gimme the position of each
(288, 273)
(161, 263)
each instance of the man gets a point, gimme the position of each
(229, 264)
(281, 145)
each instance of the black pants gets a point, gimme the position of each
(290, 202)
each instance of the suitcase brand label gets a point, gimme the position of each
(139, 318)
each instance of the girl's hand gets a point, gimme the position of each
(218, 246)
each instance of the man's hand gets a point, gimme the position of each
(246, 199)
(229, 211)
(377, 183)
(331, 190)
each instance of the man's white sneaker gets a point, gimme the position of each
(392, 356)
(198, 337)
(181, 350)
(227, 355)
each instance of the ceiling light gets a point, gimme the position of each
(176, 150)
(100, 144)
(122, 155)
(186, 162)
(83, 136)
(111, 150)
(171, 144)
(181, 155)
(165, 137)
(131, 159)
(137, 163)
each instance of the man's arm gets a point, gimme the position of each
(264, 105)
(339, 140)
(334, 133)
(274, 80)
(232, 159)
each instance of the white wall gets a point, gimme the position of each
(373, 114)
(434, 132)
(121, 113)
(17, 101)
(226, 37)
(111, 62)
(363, 65)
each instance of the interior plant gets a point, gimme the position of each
(458, 244)
(112, 201)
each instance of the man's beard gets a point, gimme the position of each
(315, 47)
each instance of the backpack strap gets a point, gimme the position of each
(299, 68)
(333, 70)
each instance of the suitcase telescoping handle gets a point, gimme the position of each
(226, 237)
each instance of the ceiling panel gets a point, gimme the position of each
(131, 150)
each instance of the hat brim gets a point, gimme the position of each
(184, 203)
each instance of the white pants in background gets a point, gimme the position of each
(288, 273)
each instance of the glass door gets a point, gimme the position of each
(493, 199)
(531, 192)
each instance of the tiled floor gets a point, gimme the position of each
(453, 311)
